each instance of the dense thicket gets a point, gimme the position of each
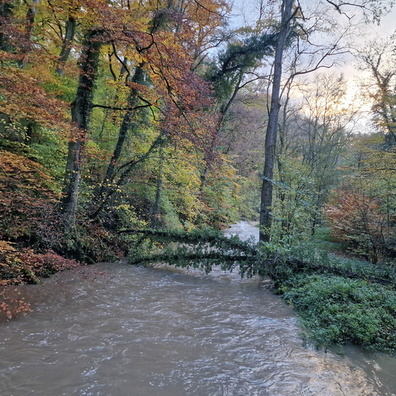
(102, 111)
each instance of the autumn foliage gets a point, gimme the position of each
(356, 219)
(27, 202)
(24, 266)
(27, 220)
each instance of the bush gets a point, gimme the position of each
(335, 310)
(11, 304)
(357, 219)
(25, 266)
(339, 300)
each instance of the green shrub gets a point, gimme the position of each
(335, 310)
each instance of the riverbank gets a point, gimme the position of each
(339, 300)
(24, 266)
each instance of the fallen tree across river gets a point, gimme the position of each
(207, 248)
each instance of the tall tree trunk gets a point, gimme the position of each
(156, 221)
(30, 18)
(6, 14)
(133, 100)
(270, 138)
(81, 110)
(108, 185)
(29, 25)
(70, 30)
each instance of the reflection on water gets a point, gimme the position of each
(114, 329)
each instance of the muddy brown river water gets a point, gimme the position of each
(121, 330)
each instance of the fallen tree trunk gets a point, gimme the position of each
(207, 248)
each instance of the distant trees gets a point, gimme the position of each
(379, 60)
(313, 139)
(318, 54)
(362, 210)
(325, 135)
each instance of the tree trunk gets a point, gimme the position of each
(133, 100)
(6, 15)
(124, 171)
(156, 221)
(66, 45)
(108, 185)
(270, 139)
(81, 110)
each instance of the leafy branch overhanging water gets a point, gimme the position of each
(207, 248)
(339, 300)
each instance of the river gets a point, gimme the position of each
(121, 330)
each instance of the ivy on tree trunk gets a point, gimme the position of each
(81, 111)
(270, 139)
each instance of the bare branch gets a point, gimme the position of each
(122, 108)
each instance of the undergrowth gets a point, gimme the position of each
(338, 300)
(335, 310)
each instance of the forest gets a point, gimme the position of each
(177, 118)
